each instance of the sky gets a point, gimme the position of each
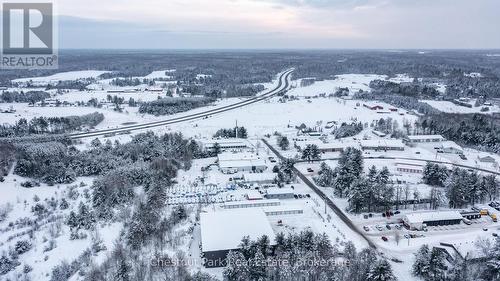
(278, 24)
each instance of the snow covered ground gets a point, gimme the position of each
(50, 237)
(449, 107)
(354, 82)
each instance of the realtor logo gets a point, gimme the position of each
(28, 36)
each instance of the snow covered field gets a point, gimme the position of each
(449, 107)
(354, 82)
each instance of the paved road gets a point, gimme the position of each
(323, 196)
(283, 85)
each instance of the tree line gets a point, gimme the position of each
(304, 256)
(168, 105)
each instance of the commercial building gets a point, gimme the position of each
(373, 106)
(416, 221)
(486, 159)
(231, 144)
(451, 147)
(259, 178)
(223, 231)
(382, 145)
(254, 195)
(424, 138)
(230, 163)
(280, 193)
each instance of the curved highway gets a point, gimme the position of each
(283, 85)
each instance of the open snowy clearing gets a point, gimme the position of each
(449, 107)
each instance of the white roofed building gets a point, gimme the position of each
(451, 147)
(280, 193)
(259, 178)
(424, 138)
(416, 221)
(222, 231)
(232, 144)
(230, 163)
(382, 144)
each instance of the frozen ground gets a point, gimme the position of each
(48, 231)
(449, 107)
(354, 82)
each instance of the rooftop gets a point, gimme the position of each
(433, 216)
(254, 177)
(223, 230)
(425, 137)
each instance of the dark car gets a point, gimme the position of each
(384, 238)
(388, 226)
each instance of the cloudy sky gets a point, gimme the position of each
(231, 24)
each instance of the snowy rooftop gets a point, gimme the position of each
(255, 177)
(270, 202)
(230, 156)
(276, 191)
(382, 143)
(425, 137)
(432, 216)
(208, 142)
(254, 195)
(223, 230)
(242, 163)
(451, 144)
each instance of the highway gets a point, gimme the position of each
(283, 85)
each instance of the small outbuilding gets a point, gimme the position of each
(280, 193)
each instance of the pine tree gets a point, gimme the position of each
(421, 266)
(381, 271)
(283, 143)
(237, 268)
(437, 265)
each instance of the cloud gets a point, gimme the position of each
(281, 23)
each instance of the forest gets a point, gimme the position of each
(50, 125)
(168, 106)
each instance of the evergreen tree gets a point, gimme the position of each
(421, 266)
(381, 271)
(283, 143)
(437, 265)
(237, 267)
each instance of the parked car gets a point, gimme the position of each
(366, 228)
(494, 234)
(384, 238)
(310, 170)
(407, 236)
(397, 212)
(379, 227)
(462, 156)
(398, 226)
(485, 229)
(388, 226)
